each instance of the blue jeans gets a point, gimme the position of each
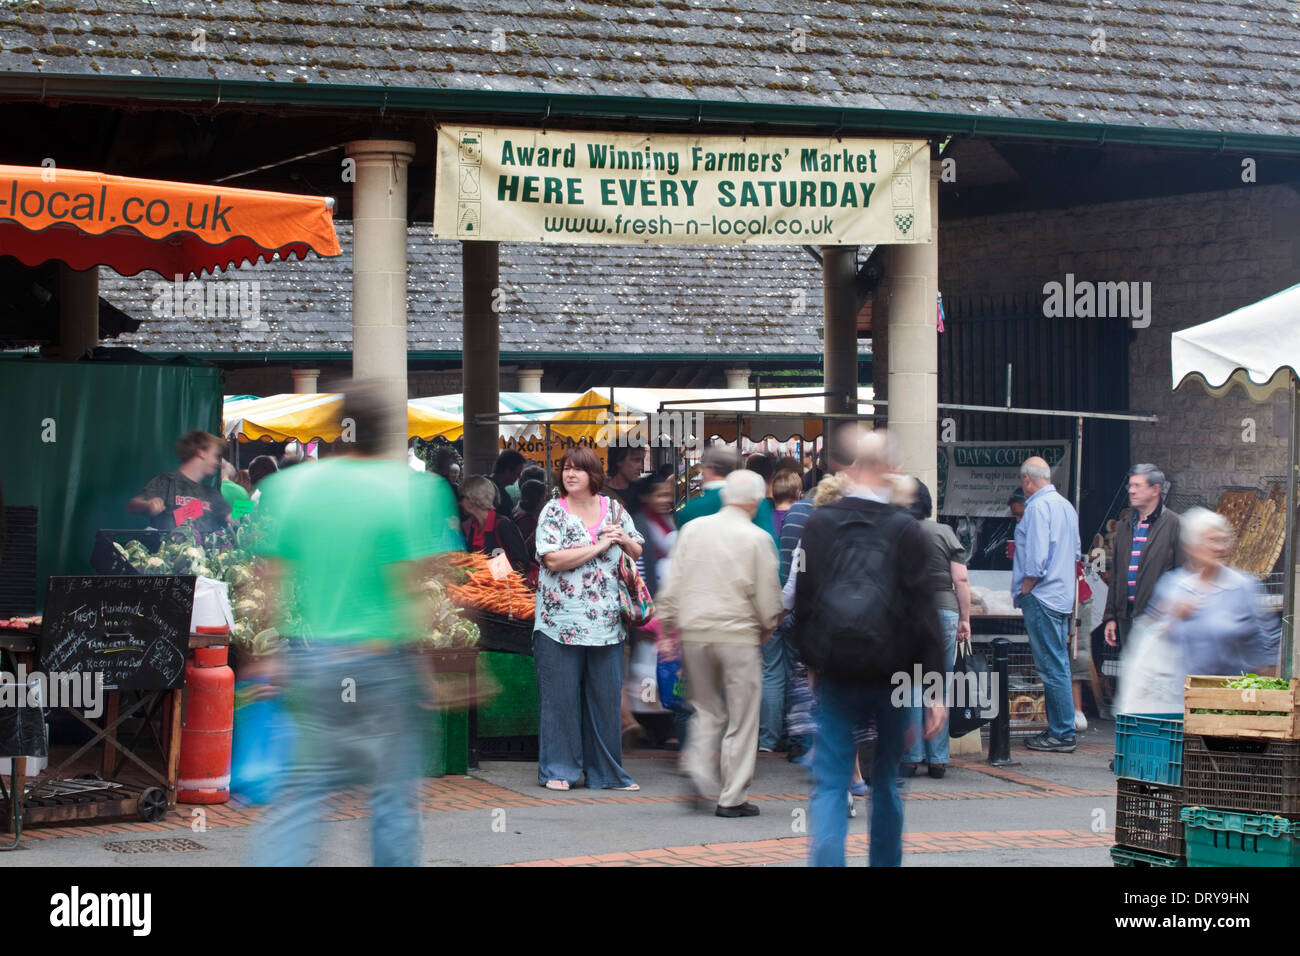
(359, 722)
(934, 752)
(776, 677)
(579, 695)
(1049, 636)
(841, 707)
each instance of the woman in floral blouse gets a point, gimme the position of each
(579, 633)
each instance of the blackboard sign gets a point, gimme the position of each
(134, 630)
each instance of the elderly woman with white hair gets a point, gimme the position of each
(1212, 614)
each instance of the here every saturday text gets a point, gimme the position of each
(655, 181)
(675, 192)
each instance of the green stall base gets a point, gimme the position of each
(447, 746)
(1229, 838)
(512, 712)
(1127, 856)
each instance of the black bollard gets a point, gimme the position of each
(1000, 729)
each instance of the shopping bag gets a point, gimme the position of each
(1151, 672)
(263, 743)
(669, 677)
(22, 714)
(973, 702)
(672, 684)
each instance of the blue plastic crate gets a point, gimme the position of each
(1149, 747)
(1226, 838)
(1127, 856)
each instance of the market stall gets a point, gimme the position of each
(112, 646)
(84, 220)
(249, 420)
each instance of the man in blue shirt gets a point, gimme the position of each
(1043, 582)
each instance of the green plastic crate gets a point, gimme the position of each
(1229, 838)
(1127, 856)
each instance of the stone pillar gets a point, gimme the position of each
(481, 349)
(736, 377)
(78, 311)
(913, 347)
(379, 273)
(840, 336)
(304, 380)
(530, 379)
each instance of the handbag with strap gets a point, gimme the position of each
(634, 601)
(974, 704)
(635, 604)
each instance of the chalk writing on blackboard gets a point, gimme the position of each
(134, 630)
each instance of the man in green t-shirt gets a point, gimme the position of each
(351, 533)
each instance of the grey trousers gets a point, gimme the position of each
(725, 682)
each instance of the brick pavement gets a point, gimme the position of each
(453, 794)
(795, 849)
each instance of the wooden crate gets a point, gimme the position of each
(1208, 693)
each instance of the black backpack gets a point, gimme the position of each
(855, 630)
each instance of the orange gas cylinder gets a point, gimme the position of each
(204, 774)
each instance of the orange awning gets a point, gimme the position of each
(91, 219)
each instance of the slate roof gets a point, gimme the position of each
(579, 299)
(1223, 65)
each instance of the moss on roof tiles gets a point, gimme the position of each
(1030, 57)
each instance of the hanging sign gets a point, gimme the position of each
(977, 478)
(526, 185)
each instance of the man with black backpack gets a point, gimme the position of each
(864, 612)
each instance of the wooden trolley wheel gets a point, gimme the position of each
(152, 805)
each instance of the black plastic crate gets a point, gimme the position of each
(105, 558)
(18, 562)
(508, 748)
(502, 634)
(1146, 817)
(1249, 775)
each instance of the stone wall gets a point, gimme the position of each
(1204, 255)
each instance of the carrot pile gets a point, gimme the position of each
(509, 596)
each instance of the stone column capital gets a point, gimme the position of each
(380, 150)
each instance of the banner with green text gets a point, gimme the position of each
(524, 185)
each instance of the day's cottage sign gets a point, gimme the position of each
(520, 185)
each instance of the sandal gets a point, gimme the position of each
(557, 785)
(630, 788)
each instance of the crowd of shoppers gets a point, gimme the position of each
(792, 597)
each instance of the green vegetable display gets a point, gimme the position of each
(1251, 682)
(1255, 682)
(259, 624)
(449, 628)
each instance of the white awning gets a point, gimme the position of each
(1255, 347)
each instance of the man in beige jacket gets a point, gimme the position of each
(724, 595)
